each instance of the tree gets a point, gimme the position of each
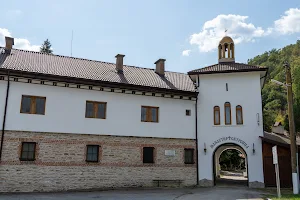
(231, 160)
(274, 96)
(46, 47)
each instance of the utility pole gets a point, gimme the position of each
(292, 127)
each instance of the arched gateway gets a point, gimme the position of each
(229, 116)
(230, 165)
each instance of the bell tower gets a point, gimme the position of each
(226, 50)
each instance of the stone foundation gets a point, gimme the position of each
(256, 184)
(60, 162)
(206, 183)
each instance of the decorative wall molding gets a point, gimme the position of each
(95, 88)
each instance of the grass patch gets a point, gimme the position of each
(287, 194)
(285, 197)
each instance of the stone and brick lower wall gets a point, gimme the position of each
(60, 162)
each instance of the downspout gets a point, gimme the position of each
(4, 116)
(196, 118)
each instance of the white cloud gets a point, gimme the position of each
(186, 52)
(289, 23)
(20, 43)
(213, 31)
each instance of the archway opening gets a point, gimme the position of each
(230, 165)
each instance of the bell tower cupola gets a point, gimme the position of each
(226, 50)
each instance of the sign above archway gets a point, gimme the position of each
(234, 139)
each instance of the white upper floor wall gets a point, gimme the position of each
(65, 112)
(3, 86)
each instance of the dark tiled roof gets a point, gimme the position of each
(279, 138)
(227, 67)
(92, 70)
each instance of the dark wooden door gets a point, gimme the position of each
(284, 161)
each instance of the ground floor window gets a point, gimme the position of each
(92, 153)
(189, 156)
(148, 155)
(28, 151)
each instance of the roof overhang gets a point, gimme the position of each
(75, 80)
(228, 71)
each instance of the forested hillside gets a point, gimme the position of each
(274, 96)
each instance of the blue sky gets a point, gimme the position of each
(183, 32)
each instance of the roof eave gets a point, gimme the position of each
(227, 71)
(67, 79)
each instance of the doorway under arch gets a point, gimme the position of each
(230, 165)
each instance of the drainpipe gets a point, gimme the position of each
(4, 116)
(196, 118)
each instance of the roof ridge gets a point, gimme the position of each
(71, 57)
(203, 68)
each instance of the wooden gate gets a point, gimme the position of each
(284, 161)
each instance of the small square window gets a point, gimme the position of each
(148, 155)
(28, 151)
(189, 156)
(188, 112)
(92, 153)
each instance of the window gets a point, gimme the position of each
(92, 153)
(149, 114)
(239, 114)
(33, 105)
(28, 151)
(95, 110)
(188, 112)
(148, 155)
(189, 156)
(226, 86)
(216, 115)
(227, 113)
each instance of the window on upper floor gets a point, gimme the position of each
(189, 156)
(216, 115)
(92, 153)
(28, 151)
(227, 107)
(188, 112)
(239, 115)
(95, 109)
(148, 155)
(33, 105)
(149, 114)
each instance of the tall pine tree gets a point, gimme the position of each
(46, 47)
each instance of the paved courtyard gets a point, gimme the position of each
(216, 193)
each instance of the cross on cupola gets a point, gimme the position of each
(226, 49)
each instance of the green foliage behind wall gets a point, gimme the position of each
(273, 96)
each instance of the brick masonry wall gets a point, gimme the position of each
(60, 162)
